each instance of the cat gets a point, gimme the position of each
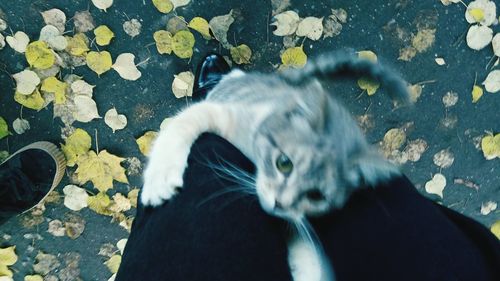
(309, 152)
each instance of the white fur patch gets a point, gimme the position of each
(305, 265)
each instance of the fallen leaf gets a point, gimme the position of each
(436, 185)
(415, 92)
(4, 128)
(58, 88)
(75, 197)
(120, 203)
(78, 45)
(495, 229)
(103, 35)
(479, 36)
(126, 67)
(443, 158)
(183, 43)
(286, 23)
(8, 256)
(2, 41)
(183, 83)
(241, 54)
(145, 141)
(423, 40)
(490, 145)
(492, 81)
(488, 207)
(101, 169)
(163, 6)
(85, 109)
(176, 24)
(368, 85)
(294, 57)
(495, 43)
(77, 144)
(179, 3)
(163, 41)
(83, 21)
(45, 263)
(201, 25)
(56, 228)
(3, 25)
(26, 82)
(114, 120)
(52, 36)
(467, 183)
(477, 93)
(18, 42)
(114, 263)
(132, 27)
(393, 140)
(121, 245)
(102, 4)
(331, 27)
(74, 225)
(132, 196)
(33, 278)
(440, 61)
(81, 87)
(99, 62)
(20, 126)
(450, 99)
(414, 149)
(220, 26)
(56, 18)
(100, 204)
(39, 55)
(34, 101)
(481, 11)
(310, 27)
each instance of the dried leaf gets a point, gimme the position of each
(126, 67)
(58, 88)
(310, 27)
(477, 93)
(179, 3)
(75, 197)
(33, 278)
(145, 142)
(415, 92)
(114, 263)
(81, 87)
(78, 45)
(436, 185)
(120, 203)
(490, 145)
(450, 99)
(164, 6)
(444, 158)
(495, 43)
(163, 41)
(294, 57)
(132, 27)
(241, 54)
(20, 126)
(52, 36)
(479, 36)
(423, 40)
(8, 256)
(368, 85)
(99, 62)
(56, 18)
(18, 42)
(132, 196)
(495, 229)
(39, 55)
(101, 169)
(482, 12)
(100, 204)
(102, 4)
(4, 128)
(286, 23)
(183, 43)
(201, 25)
(83, 21)
(74, 225)
(220, 26)
(393, 139)
(77, 144)
(114, 120)
(439, 61)
(414, 149)
(56, 228)
(492, 81)
(103, 35)
(33, 101)
(26, 82)
(85, 109)
(183, 83)
(45, 263)
(488, 207)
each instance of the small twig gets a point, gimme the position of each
(96, 142)
(426, 82)
(143, 62)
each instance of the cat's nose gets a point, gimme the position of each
(278, 205)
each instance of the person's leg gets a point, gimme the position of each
(207, 232)
(28, 176)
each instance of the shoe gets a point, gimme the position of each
(209, 72)
(28, 176)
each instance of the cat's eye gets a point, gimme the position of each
(284, 164)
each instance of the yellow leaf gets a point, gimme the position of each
(393, 139)
(495, 229)
(53, 85)
(100, 204)
(99, 62)
(477, 14)
(145, 142)
(8, 256)
(368, 85)
(241, 54)
(201, 25)
(132, 196)
(114, 263)
(39, 55)
(369, 55)
(103, 35)
(163, 41)
(100, 169)
(294, 57)
(33, 101)
(33, 278)
(5, 271)
(164, 6)
(183, 43)
(77, 144)
(78, 45)
(491, 146)
(477, 93)
(4, 129)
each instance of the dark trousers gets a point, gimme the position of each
(389, 232)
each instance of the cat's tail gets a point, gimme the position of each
(344, 64)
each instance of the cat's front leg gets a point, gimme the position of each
(163, 176)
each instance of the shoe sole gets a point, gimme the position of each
(56, 155)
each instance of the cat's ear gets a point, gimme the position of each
(314, 106)
(370, 168)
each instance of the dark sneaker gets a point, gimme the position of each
(28, 176)
(208, 74)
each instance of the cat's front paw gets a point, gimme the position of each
(161, 184)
